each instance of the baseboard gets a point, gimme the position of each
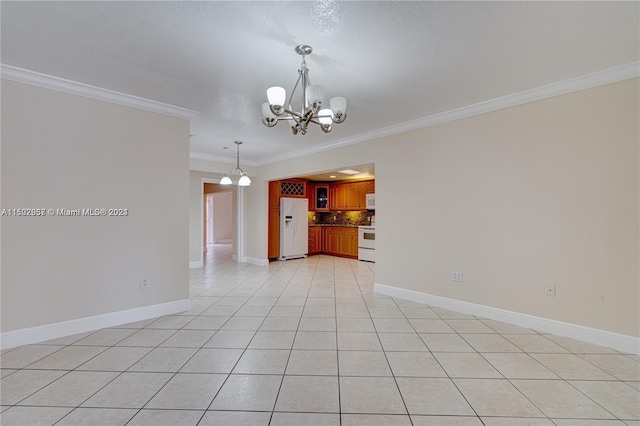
(620, 342)
(41, 333)
(256, 261)
(196, 264)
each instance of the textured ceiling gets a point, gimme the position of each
(393, 61)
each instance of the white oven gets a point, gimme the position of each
(367, 243)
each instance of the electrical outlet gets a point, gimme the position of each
(144, 282)
(550, 291)
(456, 276)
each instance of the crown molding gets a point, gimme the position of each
(600, 78)
(33, 78)
(219, 159)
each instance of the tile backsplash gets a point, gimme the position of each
(357, 218)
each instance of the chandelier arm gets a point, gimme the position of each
(294, 91)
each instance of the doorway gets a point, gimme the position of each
(218, 223)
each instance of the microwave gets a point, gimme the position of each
(371, 201)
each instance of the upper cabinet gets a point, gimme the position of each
(321, 200)
(349, 196)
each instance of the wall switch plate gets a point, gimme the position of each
(144, 283)
(456, 276)
(550, 291)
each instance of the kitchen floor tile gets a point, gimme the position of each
(496, 397)
(162, 360)
(313, 362)
(188, 391)
(370, 395)
(105, 337)
(25, 355)
(166, 417)
(434, 396)
(445, 421)
(619, 366)
(489, 343)
(262, 361)
(307, 419)
(402, 342)
(519, 366)
(67, 358)
(248, 393)
(621, 400)
(212, 361)
(414, 364)
(97, 416)
(229, 418)
(356, 341)
(129, 390)
(23, 383)
(315, 340)
(33, 416)
(117, 358)
(572, 367)
(557, 398)
(317, 324)
(312, 394)
(273, 340)
(70, 390)
(445, 343)
(469, 365)
(230, 339)
(375, 420)
(363, 363)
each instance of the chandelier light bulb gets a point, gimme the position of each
(244, 180)
(276, 96)
(338, 105)
(325, 116)
(226, 180)
(315, 95)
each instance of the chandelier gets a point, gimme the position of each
(244, 178)
(310, 110)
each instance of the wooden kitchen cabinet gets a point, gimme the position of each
(274, 194)
(338, 196)
(321, 198)
(371, 187)
(273, 249)
(315, 240)
(311, 193)
(342, 241)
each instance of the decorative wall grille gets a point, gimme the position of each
(292, 188)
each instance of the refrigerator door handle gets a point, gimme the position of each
(295, 218)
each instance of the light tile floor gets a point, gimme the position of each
(307, 342)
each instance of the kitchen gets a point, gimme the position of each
(332, 216)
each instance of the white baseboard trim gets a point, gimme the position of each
(196, 264)
(41, 333)
(256, 261)
(620, 342)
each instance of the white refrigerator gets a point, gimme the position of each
(294, 236)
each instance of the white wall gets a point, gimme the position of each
(222, 216)
(517, 199)
(65, 151)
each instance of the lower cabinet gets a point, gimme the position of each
(316, 245)
(342, 241)
(334, 240)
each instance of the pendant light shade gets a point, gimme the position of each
(244, 178)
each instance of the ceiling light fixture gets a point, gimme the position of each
(244, 178)
(310, 105)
